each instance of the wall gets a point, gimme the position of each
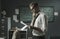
(53, 28)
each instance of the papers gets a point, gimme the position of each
(23, 24)
(23, 28)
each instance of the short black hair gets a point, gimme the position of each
(34, 4)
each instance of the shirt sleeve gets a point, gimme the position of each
(44, 23)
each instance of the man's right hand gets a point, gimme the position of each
(30, 27)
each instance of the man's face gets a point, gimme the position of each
(34, 9)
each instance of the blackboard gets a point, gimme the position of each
(26, 14)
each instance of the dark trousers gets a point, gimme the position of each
(38, 37)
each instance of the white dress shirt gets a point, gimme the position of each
(39, 23)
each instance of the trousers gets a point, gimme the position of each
(38, 37)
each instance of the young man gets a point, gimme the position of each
(39, 22)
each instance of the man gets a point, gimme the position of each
(39, 22)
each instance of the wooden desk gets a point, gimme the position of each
(21, 34)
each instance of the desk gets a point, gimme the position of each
(21, 34)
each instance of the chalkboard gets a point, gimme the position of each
(26, 14)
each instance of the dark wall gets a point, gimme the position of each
(0, 4)
(0, 7)
(0, 12)
(53, 28)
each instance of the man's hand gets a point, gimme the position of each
(30, 27)
(36, 28)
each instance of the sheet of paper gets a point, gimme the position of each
(24, 26)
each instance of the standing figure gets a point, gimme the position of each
(39, 24)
